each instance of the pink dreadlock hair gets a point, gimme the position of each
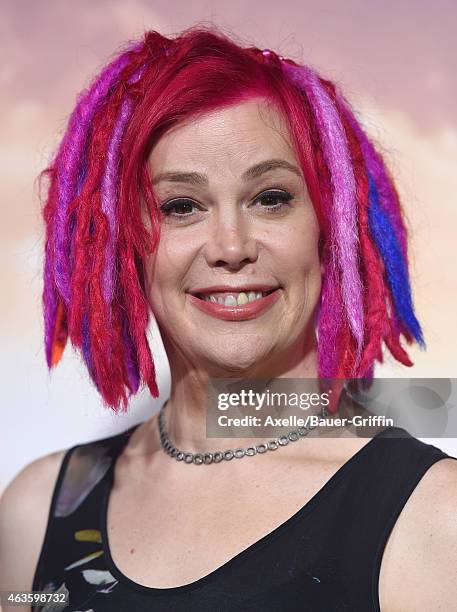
(99, 179)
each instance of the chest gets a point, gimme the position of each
(169, 531)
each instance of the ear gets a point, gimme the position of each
(145, 217)
(321, 251)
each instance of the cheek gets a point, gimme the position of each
(297, 250)
(164, 273)
(157, 274)
(301, 267)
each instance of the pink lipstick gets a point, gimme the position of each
(242, 312)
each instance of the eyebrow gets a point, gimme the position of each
(195, 178)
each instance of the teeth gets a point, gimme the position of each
(235, 299)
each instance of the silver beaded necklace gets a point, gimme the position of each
(227, 455)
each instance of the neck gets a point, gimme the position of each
(192, 387)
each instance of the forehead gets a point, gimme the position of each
(229, 138)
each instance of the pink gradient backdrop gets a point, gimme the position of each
(396, 63)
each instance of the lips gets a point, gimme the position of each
(233, 289)
(205, 300)
(233, 298)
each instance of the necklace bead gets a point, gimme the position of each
(229, 454)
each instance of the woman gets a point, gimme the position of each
(232, 193)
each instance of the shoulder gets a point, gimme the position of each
(26, 502)
(24, 510)
(419, 567)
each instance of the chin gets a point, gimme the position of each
(237, 357)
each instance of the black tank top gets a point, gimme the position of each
(324, 558)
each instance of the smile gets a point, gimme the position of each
(235, 305)
(234, 299)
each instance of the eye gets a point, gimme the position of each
(178, 208)
(270, 201)
(274, 200)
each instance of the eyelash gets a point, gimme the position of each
(284, 196)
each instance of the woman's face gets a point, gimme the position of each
(237, 219)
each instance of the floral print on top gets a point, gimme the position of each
(83, 469)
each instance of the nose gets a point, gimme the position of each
(231, 242)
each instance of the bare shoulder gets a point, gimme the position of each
(419, 565)
(24, 510)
